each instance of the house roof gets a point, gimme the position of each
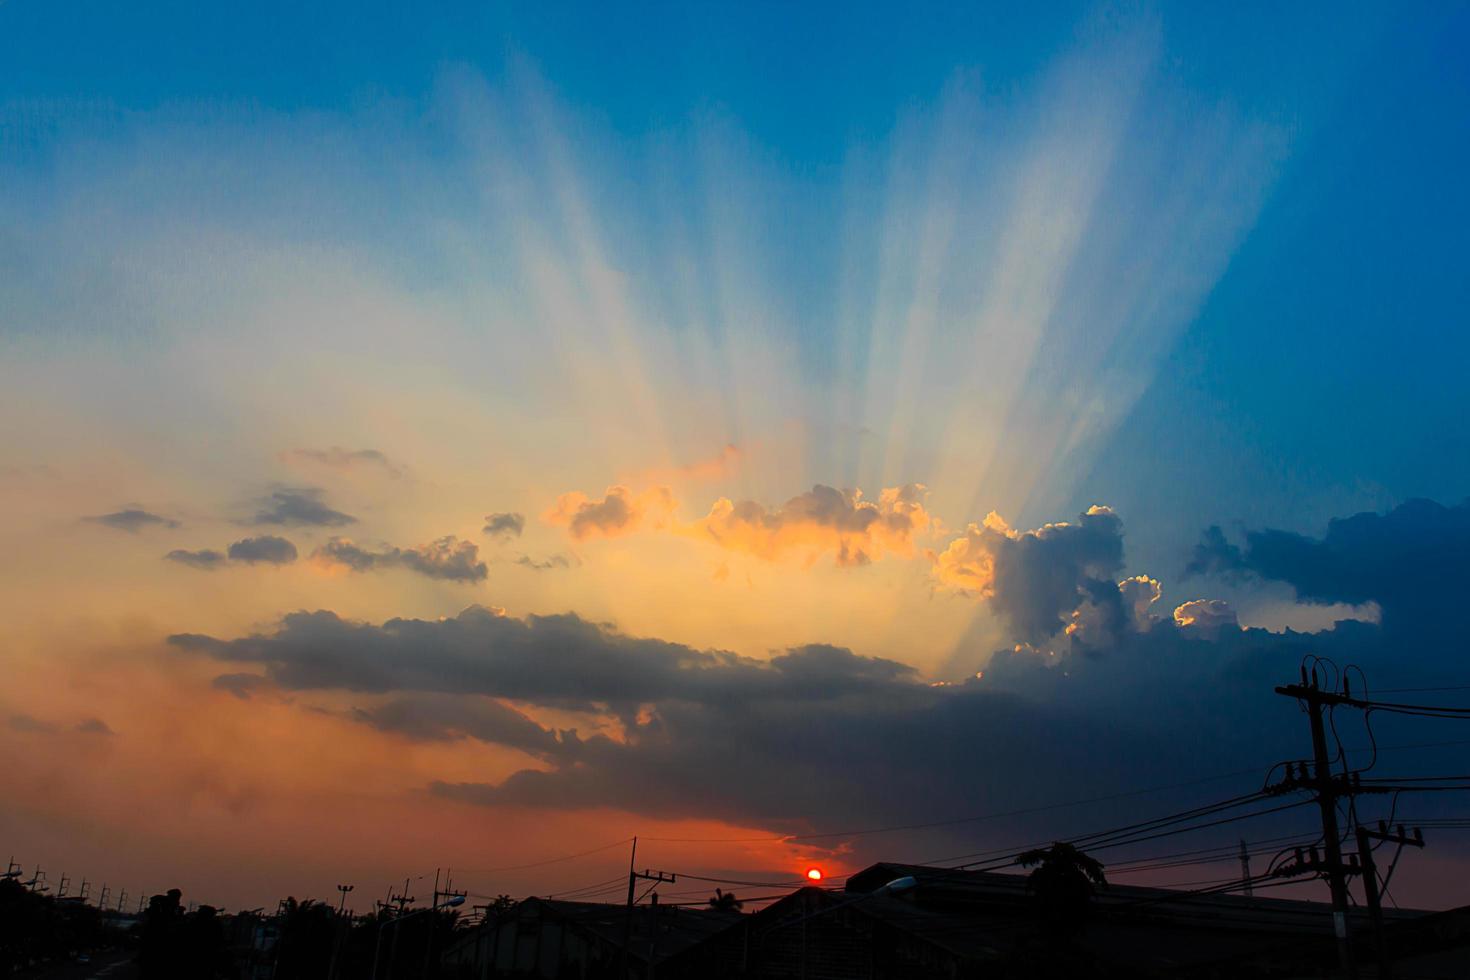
(677, 927)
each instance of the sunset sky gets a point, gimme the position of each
(454, 436)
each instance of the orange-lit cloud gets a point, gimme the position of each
(1209, 616)
(822, 520)
(620, 511)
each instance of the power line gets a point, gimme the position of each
(956, 820)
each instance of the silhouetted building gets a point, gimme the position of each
(557, 940)
(956, 924)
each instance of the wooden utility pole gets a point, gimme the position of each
(1371, 895)
(633, 878)
(1327, 794)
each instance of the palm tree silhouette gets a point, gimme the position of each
(1063, 882)
(724, 901)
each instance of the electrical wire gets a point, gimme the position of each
(1025, 811)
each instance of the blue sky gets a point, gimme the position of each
(1318, 374)
(782, 331)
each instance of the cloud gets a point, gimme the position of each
(443, 717)
(1409, 561)
(132, 520)
(299, 506)
(94, 726)
(1037, 579)
(544, 565)
(241, 686)
(822, 520)
(206, 559)
(619, 512)
(560, 660)
(703, 732)
(266, 548)
(1139, 594)
(445, 558)
(811, 735)
(1209, 616)
(509, 525)
(338, 458)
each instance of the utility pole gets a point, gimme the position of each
(1327, 793)
(84, 891)
(61, 888)
(122, 899)
(447, 893)
(1245, 868)
(634, 877)
(341, 927)
(402, 901)
(628, 914)
(102, 902)
(1370, 883)
(657, 877)
(12, 870)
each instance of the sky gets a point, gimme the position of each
(472, 436)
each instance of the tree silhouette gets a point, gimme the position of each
(1063, 881)
(723, 901)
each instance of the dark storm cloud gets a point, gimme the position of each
(94, 726)
(508, 525)
(446, 558)
(818, 735)
(1037, 579)
(442, 717)
(266, 548)
(132, 520)
(206, 559)
(301, 506)
(551, 660)
(338, 458)
(1412, 561)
